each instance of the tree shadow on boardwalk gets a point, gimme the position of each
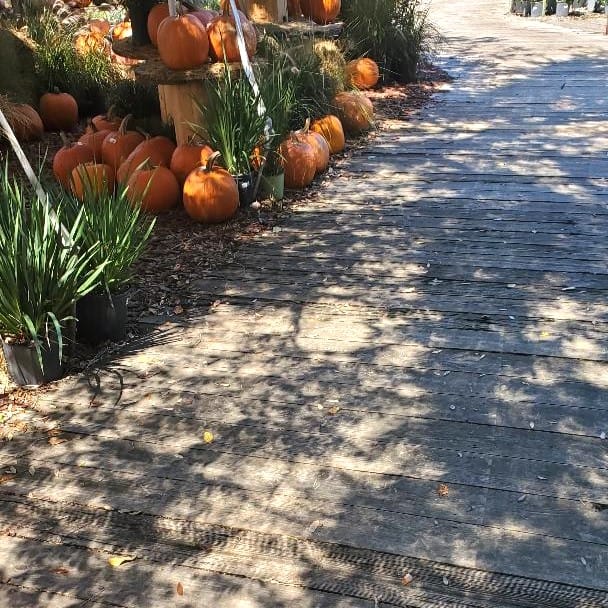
(416, 369)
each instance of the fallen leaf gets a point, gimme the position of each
(332, 411)
(60, 570)
(118, 560)
(6, 477)
(180, 589)
(12, 470)
(531, 425)
(521, 498)
(583, 561)
(442, 490)
(178, 310)
(207, 436)
(602, 435)
(407, 579)
(446, 581)
(32, 470)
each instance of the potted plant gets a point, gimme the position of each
(44, 268)
(232, 124)
(122, 231)
(278, 92)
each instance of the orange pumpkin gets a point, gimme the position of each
(362, 73)
(122, 30)
(90, 41)
(355, 111)
(211, 195)
(155, 17)
(155, 187)
(107, 121)
(26, 123)
(68, 157)
(94, 139)
(299, 162)
(100, 26)
(188, 157)
(331, 129)
(156, 151)
(319, 145)
(320, 11)
(59, 111)
(182, 43)
(223, 39)
(119, 144)
(91, 179)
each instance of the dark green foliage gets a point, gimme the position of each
(395, 33)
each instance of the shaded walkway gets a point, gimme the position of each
(408, 378)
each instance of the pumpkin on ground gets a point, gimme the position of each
(156, 188)
(118, 144)
(186, 158)
(210, 193)
(107, 121)
(155, 17)
(182, 43)
(91, 179)
(299, 162)
(122, 30)
(94, 139)
(223, 39)
(59, 111)
(331, 129)
(320, 11)
(68, 157)
(362, 73)
(355, 110)
(25, 122)
(319, 145)
(156, 151)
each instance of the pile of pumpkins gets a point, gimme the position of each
(187, 41)
(95, 37)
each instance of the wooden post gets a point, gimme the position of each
(266, 11)
(178, 107)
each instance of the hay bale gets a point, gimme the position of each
(17, 76)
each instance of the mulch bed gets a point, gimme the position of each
(181, 249)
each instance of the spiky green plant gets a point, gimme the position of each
(42, 272)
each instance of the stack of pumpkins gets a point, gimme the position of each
(187, 41)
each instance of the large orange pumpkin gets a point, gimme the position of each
(182, 43)
(223, 39)
(68, 157)
(119, 144)
(319, 145)
(91, 179)
(155, 187)
(211, 195)
(59, 111)
(299, 162)
(155, 17)
(355, 111)
(26, 123)
(320, 11)
(331, 129)
(188, 157)
(362, 73)
(94, 139)
(156, 151)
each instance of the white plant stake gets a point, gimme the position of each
(31, 176)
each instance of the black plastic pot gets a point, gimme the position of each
(101, 318)
(138, 13)
(24, 366)
(246, 186)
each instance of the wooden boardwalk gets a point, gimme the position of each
(409, 378)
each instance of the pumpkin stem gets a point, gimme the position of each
(306, 126)
(210, 164)
(111, 113)
(123, 125)
(56, 90)
(64, 138)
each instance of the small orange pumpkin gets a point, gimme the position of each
(68, 157)
(122, 30)
(107, 121)
(211, 195)
(156, 151)
(182, 43)
(100, 26)
(94, 139)
(319, 145)
(59, 111)
(155, 187)
(90, 179)
(223, 39)
(118, 144)
(355, 111)
(26, 123)
(155, 17)
(320, 11)
(299, 162)
(331, 129)
(362, 73)
(188, 157)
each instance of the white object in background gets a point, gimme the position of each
(562, 10)
(590, 5)
(537, 9)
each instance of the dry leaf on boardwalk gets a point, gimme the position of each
(442, 490)
(207, 436)
(60, 570)
(180, 589)
(118, 560)
(407, 578)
